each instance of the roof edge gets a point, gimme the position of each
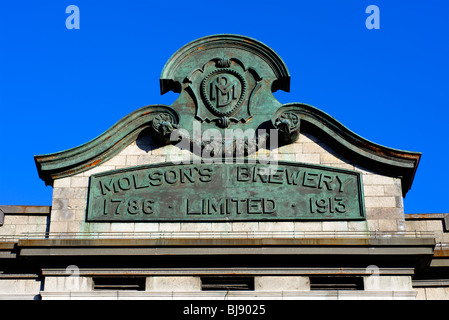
(168, 83)
(102, 148)
(389, 161)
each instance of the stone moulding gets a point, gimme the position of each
(227, 58)
(107, 145)
(380, 159)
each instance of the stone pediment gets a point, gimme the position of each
(226, 82)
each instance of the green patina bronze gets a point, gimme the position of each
(226, 83)
(226, 192)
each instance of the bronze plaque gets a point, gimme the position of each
(226, 192)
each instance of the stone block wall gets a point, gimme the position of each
(23, 224)
(19, 289)
(436, 293)
(383, 196)
(22, 220)
(437, 223)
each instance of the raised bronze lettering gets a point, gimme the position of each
(108, 186)
(326, 180)
(217, 206)
(147, 206)
(269, 206)
(237, 205)
(243, 174)
(139, 184)
(292, 176)
(171, 176)
(205, 174)
(124, 183)
(225, 192)
(189, 210)
(277, 177)
(342, 183)
(259, 172)
(156, 178)
(187, 173)
(133, 206)
(310, 180)
(254, 206)
(341, 206)
(119, 205)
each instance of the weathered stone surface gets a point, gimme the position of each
(285, 283)
(174, 284)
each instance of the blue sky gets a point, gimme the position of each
(60, 88)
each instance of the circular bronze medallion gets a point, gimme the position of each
(223, 91)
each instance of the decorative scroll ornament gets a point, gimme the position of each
(164, 124)
(287, 122)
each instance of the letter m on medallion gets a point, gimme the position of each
(223, 90)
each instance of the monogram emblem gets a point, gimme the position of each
(223, 91)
